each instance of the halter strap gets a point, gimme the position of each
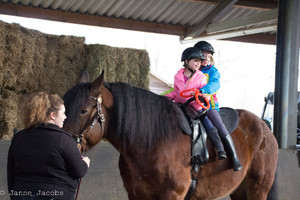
(97, 117)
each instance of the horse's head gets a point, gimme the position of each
(87, 106)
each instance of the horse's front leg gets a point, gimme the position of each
(134, 184)
(126, 177)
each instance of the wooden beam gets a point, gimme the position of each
(232, 34)
(255, 38)
(93, 20)
(257, 4)
(241, 22)
(214, 15)
(248, 4)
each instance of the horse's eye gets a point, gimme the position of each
(83, 112)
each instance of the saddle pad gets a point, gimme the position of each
(183, 121)
(230, 118)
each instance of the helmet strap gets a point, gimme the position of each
(187, 66)
(192, 72)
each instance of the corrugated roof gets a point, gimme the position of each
(179, 15)
(184, 13)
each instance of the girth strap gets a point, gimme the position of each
(199, 154)
(191, 190)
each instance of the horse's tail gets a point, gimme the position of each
(272, 195)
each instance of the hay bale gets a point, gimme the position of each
(12, 58)
(35, 61)
(22, 51)
(99, 58)
(2, 50)
(120, 64)
(20, 58)
(143, 60)
(10, 116)
(31, 61)
(63, 61)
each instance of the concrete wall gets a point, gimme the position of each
(103, 181)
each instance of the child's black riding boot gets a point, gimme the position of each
(216, 140)
(228, 142)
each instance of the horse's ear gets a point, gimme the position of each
(98, 88)
(84, 77)
(97, 84)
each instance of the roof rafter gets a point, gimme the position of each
(214, 15)
(253, 4)
(242, 22)
(232, 34)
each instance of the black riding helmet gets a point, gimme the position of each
(189, 54)
(205, 46)
(192, 53)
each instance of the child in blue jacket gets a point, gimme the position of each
(211, 88)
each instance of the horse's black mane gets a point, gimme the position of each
(140, 117)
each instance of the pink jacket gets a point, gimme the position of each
(197, 81)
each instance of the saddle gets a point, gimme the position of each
(192, 126)
(198, 135)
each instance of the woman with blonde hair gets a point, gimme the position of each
(43, 160)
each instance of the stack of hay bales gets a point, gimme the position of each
(119, 64)
(31, 61)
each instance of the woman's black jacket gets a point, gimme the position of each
(44, 161)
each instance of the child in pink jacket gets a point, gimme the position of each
(190, 77)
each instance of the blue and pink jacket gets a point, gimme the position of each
(197, 81)
(213, 85)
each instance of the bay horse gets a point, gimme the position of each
(155, 155)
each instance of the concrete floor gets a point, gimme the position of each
(103, 181)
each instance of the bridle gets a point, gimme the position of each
(97, 117)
